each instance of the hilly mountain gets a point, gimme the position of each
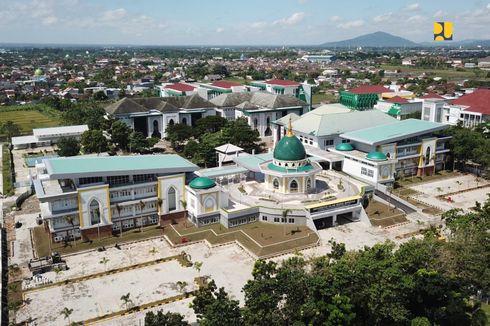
(377, 39)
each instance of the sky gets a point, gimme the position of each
(233, 22)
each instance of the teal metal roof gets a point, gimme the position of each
(85, 166)
(394, 131)
(394, 110)
(252, 162)
(202, 183)
(221, 171)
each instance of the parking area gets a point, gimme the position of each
(456, 192)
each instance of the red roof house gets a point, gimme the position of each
(368, 89)
(478, 101)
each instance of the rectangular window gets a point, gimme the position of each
(264, 218)
(276, 219)
(118, 180)
(89, 180)
(328, 142)
(140, 178)
(291, 220)
(367, 172)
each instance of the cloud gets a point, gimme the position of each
(382, 18)
(335, 19)
(258, 25)
(110, 16)
(439, 14)
(412, 7)
(416, 19)
(292, 20)
(49, 20)
(351, 24)
(220, 30)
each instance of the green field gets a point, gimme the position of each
(8, 187)
(449, 73)
(30, 117)
(324, 98)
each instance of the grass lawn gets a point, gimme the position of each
(326, 98)
(260, 238)
(41, 240)
(449, 73)
(28, 118)
(8, 187)
(382, 215)
(486, 308)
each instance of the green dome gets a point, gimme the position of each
(289, 148)
(376, 156)
(344, 147)
(38, 72)
(202, 183)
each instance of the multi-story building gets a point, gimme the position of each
(260, 108)
(177, 89)
(94, 196)
(48, 136)
(470, 109)
(151, 116)
(399, 107)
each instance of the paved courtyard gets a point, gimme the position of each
(429, 192)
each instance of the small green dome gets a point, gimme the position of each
(38, 72)
(376, 156)
(202, 183)
(344, 147)
(289, 148)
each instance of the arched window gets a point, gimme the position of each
(256, 123)
(268, 121)
(275, 184)
(172, 199)
(171, 122)
(427, 156)
(184, 121)
(308, 184)
(94, 212)
(293, 186)
(156, 130)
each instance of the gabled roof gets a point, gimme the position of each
(397, 99)
(224, 84)
(324, 124)
(257, 100)
(282, 82)
(180, 87)
(124, 106)
(162, 104)
(478, 101)
(432, 95)
(368, 89)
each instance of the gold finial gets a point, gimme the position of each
(290, 128)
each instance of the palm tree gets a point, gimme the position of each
(197, 266)
(125, 299)
(142, 207)
(66, 312)
(57, 271)
(153, 251)
(159, 205)
(285, 213)
(181, 286)
(71, 220)
(104, 261)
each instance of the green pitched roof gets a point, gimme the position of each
(289, 148)
(394, 131)
(394, 110)
(202, 183)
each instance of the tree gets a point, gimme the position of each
(142, 205)
(213, 307)
(212, 123)
(104, 261)
(197, 266)
(137, 142)
(239, 133)
(9, 129)
(177, 134)
(120, 134)
(66, 312)
(68, 146)
(126, 299)
(71, 220)
(167, 319)
(100, 96)
(93, 141)
(181, 285)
